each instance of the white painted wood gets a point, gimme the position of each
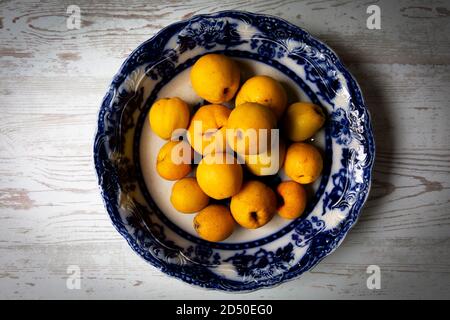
(52, 81)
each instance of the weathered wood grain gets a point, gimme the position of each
(52, 81)
(34, 35)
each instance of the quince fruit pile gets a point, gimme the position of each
(235, 147)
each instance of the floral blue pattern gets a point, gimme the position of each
(307, 230)
(262, 264)
(203, 254)
(318, 70)
(301, 244)
(209, 34)
(267, 48)
(340, 127)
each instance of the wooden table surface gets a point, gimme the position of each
(54, 78)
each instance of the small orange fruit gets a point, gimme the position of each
(168, 114)
(293, 197)
(303, 163)
(263, 90)
(254, 205)
(174, 160)
(214, 223)
(187, 196)
(266, 163)
(302, 120)
(206, 132)
(248, 124)
(219, 176)
(215, 78)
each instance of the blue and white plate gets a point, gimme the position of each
(137, 199)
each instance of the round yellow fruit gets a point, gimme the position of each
(167, 115)
(254, 205)
(207, 129)
(293, 197)
(219, 175)
(265, 91)
(174, 160)
(247, 124)
(302, 120)
(303, 163)
(215, 78)
(262, 164)
(214, 223)
(187, 196)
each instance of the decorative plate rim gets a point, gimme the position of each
(231, 285)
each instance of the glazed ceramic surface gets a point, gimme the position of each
(137, 199)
